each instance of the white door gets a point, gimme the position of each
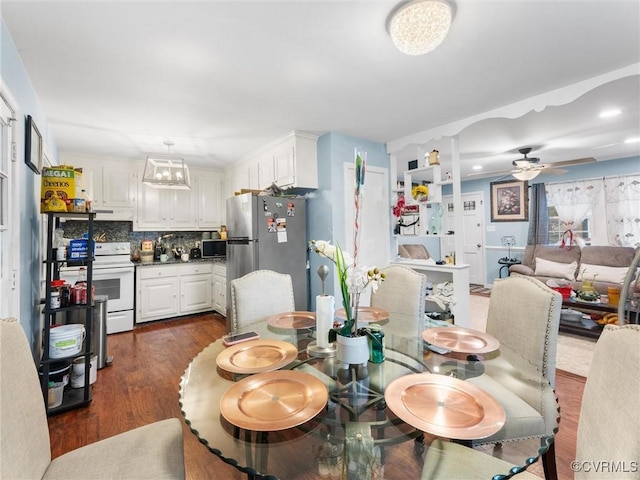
(9, 302)
(473, 231)
(374, 248)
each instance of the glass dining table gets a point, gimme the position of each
(273, 411)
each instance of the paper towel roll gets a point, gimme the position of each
(325, 309)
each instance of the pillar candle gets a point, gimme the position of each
(324, 319)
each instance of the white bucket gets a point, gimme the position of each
(66, 340)
(77, 372)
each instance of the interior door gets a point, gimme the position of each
(9, 242)
(473, 232)
(374, 247)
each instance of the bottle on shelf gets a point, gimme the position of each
(79, 289)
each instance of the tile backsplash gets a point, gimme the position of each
(122, 232)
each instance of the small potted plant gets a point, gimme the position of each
(352, 346)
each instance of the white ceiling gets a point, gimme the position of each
(222, 78)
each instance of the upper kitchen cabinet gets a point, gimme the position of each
(289, 162)
(169, 209)
(164, 209)
(295, 159)
(111, 185)
(210, 199)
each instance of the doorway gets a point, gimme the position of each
(473, 234)
(9, 301)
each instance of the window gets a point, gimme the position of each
(556, 230)
(582, 202)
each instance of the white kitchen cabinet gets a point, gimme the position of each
(296, 160)
(165, 291)
(118, 186)
(266, 171)
(260, 170)
(165, 209)
(196, 292)
(157, 293)
(290, 161)
(110, 184)
(198, 208)
(220, 288)
(209, 200)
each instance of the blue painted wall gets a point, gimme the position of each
(325, 207)
(17, 81)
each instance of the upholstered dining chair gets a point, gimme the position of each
(402, 294)
(524, 315)
(154, 451)
(608, 426)
(258, 295)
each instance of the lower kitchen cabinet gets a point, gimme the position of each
(166, 291)
(220, 288)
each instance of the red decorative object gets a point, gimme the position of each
(398, 209)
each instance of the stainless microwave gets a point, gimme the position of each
(214, 248)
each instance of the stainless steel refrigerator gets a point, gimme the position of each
(267, 233)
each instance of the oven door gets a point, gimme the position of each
(117, 283)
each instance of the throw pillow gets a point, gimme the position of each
(602, 273)
(547, 268)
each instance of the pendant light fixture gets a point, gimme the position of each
(166, 171)
(418, 26)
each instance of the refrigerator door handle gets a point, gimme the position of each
(238, 241)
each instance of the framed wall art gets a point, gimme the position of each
(33, 146)
(510, 201)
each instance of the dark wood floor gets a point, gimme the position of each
(142, 386)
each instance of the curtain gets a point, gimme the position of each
(574, 201)
(622, 207)
(539, 215)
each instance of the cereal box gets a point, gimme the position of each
(59, 188)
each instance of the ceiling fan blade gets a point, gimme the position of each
(485, 174)
(555, 171)
(576, 161)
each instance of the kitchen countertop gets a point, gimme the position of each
(175, 261)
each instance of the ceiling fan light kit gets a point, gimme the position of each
(526, 174)
(417, 27)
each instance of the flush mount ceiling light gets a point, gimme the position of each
(166, 171)
(418, 26)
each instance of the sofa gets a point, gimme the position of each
(607, 266)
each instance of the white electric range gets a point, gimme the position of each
(113, 275)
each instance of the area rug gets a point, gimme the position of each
(574, 353)
(479, 290)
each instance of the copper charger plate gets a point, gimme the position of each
(272, 401)
(444, 406)
(293, 320)
(255, 356)
(366, 314)
(460, 339)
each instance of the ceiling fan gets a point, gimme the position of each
(527, 168)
